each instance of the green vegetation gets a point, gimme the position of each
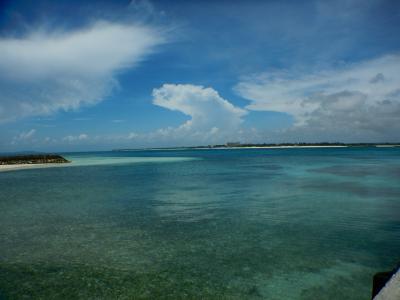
(33, 159)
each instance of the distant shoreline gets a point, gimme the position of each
(59, 161)
(31, 161)
(264, 146)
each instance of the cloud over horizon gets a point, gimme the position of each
(47, 71)
(361, 100)
(288, 72)
(212, 118)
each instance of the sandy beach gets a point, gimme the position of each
(5, 168)
(288, 147)
(269, 147)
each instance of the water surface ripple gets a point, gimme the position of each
(205, 224)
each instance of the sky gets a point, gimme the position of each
(99, 75)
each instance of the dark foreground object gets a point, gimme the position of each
(33, 159)
(380, 280)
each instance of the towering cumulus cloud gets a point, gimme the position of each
(211, 117)
(44, 71)
(360, 99)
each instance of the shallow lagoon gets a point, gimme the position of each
(244, 224)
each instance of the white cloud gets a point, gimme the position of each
(212, 118)
(143, 7)
(23, 137)
(27, 135)
(132, 135)
(75, 138)
(44, 71)
(360, 99)
(83, 136)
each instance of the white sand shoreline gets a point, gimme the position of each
(253, 147)
(284, 147)
(15, 167)
(74, 162)
(269, 147)
(231, 148)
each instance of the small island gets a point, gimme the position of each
(15, 162)
(33, 159)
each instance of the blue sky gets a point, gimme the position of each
(104, 74)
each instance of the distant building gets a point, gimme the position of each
(233, 144)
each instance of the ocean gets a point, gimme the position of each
(202, 224)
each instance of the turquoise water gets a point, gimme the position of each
(210, 224)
